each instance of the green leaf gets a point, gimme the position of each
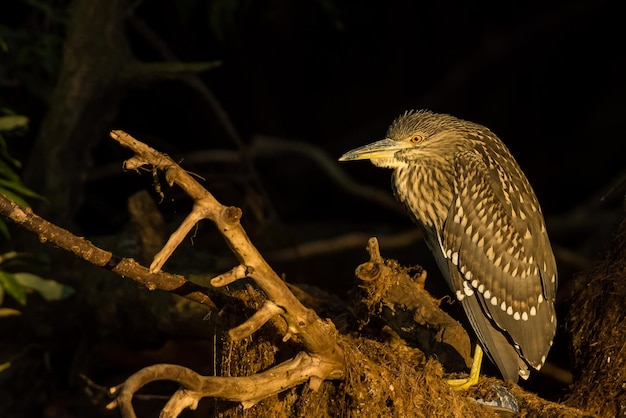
(48, 289)
(19, 261)
(3, 145)
(5, 156)
(7, 171)
(4, 312)
(8, 123)
(4, 231)
(18, 188)
(3, 45)
(12, 287)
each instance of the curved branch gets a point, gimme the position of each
(247, 390)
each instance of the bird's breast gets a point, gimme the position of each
(426, 191)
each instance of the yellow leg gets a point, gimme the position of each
(472, 379)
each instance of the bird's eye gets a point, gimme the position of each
(416, 139)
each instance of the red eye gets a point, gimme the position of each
(416, 139)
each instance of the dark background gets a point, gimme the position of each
(547, 77)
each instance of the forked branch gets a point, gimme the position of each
(323, 358)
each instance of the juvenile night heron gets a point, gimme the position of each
(482, 221)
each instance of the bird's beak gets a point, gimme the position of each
(385, 148)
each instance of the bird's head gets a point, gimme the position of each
(416, 135)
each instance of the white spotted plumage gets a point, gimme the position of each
(482, 222)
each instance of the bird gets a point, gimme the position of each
(482, 221)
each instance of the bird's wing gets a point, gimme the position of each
(497, 264)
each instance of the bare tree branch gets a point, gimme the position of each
(82, 248)
(247, 390)
(324, 358)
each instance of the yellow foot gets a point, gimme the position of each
(462, 384)
(472, 379)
